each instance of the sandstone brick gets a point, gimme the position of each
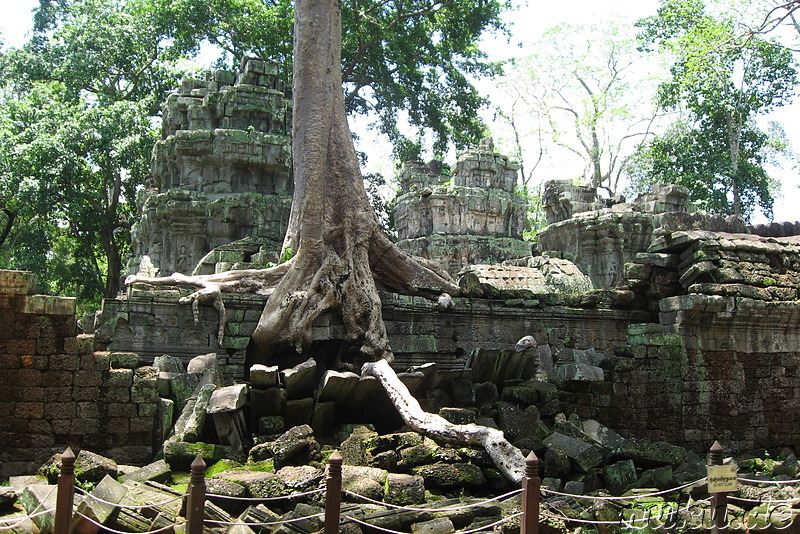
(9, 361)
(29, 410)
(59, 394)
(61, 410)
(141, 424)
(21, 346)
(118, 409)
(82, 393)
(120, 378)
(58, 378)
(115, 425)
(115, 394)
(88, 409)
(84, 426)
(64, 362)
(61, 426)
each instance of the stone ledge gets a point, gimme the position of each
(47, 305)
(17, 282)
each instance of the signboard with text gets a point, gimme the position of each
(722, 478)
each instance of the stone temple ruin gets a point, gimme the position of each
(221, 173)
(646, 316)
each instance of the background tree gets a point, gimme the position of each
(77, 104)
(723, 79)
(572, 99)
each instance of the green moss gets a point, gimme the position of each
(266, 466)
(223, 465)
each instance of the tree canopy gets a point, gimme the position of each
(723, 79)
(401, 61)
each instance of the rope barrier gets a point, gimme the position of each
(491, 525)
(265, 499)
(622, 520)
(22, 520)
(112, 531)
(130, 507)
(742, 499)
(481, 529)
(779, 482)
(35, 512)
(621, 498)
(446, 509)
(282, 522)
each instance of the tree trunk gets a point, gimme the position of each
(339, 249)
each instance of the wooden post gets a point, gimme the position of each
(531, 490)
(196, 502)
(65, 496)
(333, 493)
(719, 501)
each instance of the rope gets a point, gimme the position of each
(742, 499)
(7, 526)
(481, 529)
(282, 522)
(490, 526)
(107, 529)
(446, 509)
(752, 481)
(622, 498)
(264, 499)
(621, 520)
(130, 507)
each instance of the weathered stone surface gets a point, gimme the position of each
(300, 478)
(299, 412)
(107, 493)
(91, 467)
(296, 445)
(36, 498)
(179, 455)
(651, 454)
(8, 496)
(189, 426)
(602, 435)
(300, 380)
(271, 424)
(259, 484)
(450, 476)
(584, 455)
(263, 377)
(405, 490)
(580, 371)
(157, 471)
(619, 476)
(556, 464)
(439, 525)
(228, 399)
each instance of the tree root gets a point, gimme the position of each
(508, 459)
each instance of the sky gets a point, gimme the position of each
(525, 23)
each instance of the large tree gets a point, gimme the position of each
(340, 253)
(723, 79)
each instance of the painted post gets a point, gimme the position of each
(333, 493)
(196, 501)
(65, 496)
(719, 499)
(531, 490)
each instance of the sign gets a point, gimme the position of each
(722, 478)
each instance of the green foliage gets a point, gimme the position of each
(412, 58)
(76, 104)
(723, 80)
(572, 98)
(537, 219)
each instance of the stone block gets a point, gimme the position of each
(298, 412)
(336, 386)
(580, 371)
(619, 476)
(263, 377)
(300, 380)
(228, 398)
(584, 455)
(99, 505)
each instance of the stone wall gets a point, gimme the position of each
(56, 391)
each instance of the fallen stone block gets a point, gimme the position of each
(584, 455)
